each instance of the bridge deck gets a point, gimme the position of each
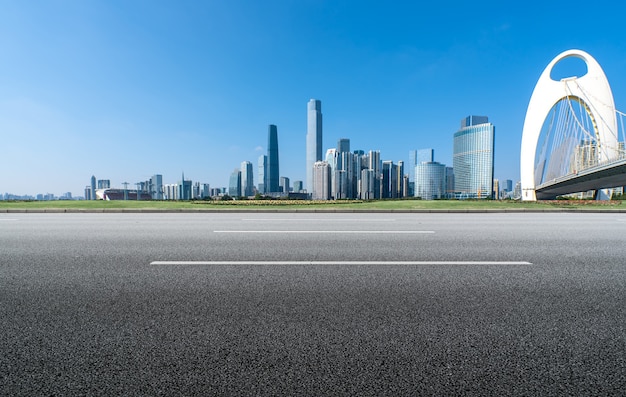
(599, 177)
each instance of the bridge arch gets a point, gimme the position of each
(592, 90)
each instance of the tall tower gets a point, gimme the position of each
(272, 160)
(473, 158)
(262, 165)
(234, 183)
(343, 145)
(247, 179)
(156, 187)
(313, 139)
(93, 188)
(184, 188)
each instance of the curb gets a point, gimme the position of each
(306, 211)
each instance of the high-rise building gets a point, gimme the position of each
(585, 155)
(321, 181)
(313, 138)
(156, 187)
(343, 145)
(297, 186)
(405, 186)
(196, 191)
(508, 185)
(473, 158)
(184, 187)
(93, 188)
(369, 187)
(348, 165)
(234, 185)
(449, 182)
(358, 161)
(171, 191)
(374, 162)
(206, 190)
(411, 165)
(400, 189)
(430, 180)
(425, 156)
(517, 190)
(247, 179)
(496, 189)
(331, 159)
(284, 184)
(368, 168)
(416, 157)
(262, 174)
(273, 170)
(389, 180)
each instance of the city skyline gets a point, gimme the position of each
(190, 87)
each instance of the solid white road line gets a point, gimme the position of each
(341, 263)
(331, 231)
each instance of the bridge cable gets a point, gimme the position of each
(612, 108)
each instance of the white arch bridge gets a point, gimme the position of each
(573, 137)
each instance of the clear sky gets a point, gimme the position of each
(126, 89)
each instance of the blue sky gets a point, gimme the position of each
(126, 89)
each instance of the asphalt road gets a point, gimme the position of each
(456, 304)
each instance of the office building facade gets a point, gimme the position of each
(343, 145)
(234, 183)
(247, 179)
(156, 187)
(297, 186)
(284, 184)
(273, 169)
(262, 174)
(430, 178)
(313, 139)
(185, 190)
(93, 188)
(321, 181)
(425, 156)
(473, 157)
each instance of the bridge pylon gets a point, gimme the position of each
(592, 90)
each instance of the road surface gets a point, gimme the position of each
(313, 304)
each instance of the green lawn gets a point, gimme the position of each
(380, 205)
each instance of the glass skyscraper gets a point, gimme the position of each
(262, 174)
(273, 171)
(343, 145)
(473, 158)
(247, 179)
(184, 188)
(234, 184)
(430, 180)
(313, 139)
(425, 156)
(412, 164)
(156, 187)
(93, 188)
(297, 186)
